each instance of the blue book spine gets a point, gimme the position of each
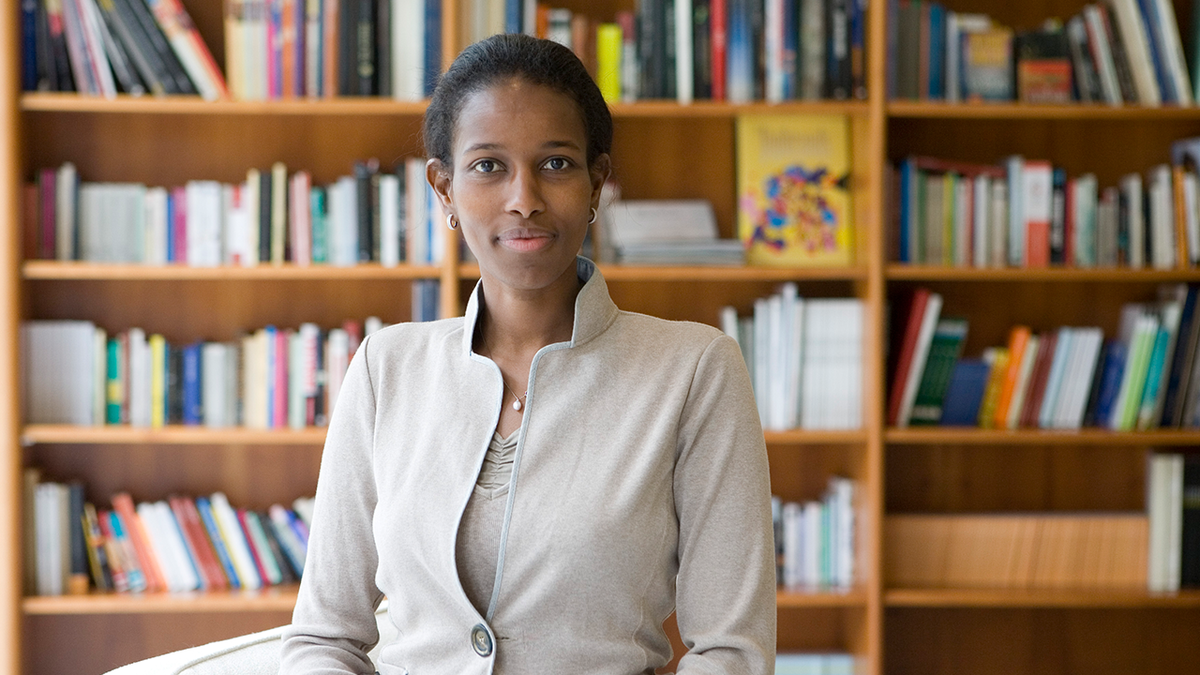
(275, 11)
(187, 547)
(134, 576)
(739, 56)
(214, 534)
(965, 393)
(1110, 383)
(1154, 373)
(512, 15)
(1172, 397)
(170, 227)
(193, 412)
(937, 51)
(1166, 85)
(29, 66)
(907, 169)
(433, 45)
(791, 47)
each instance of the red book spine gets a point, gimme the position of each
(912, 330)
(198, 543)
(123, 505)
(252, 545)
(178, 224)
(47, 216)
(720, 41)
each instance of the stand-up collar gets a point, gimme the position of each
(594, 309)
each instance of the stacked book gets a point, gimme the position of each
(667, 232)
(1144, 377)
(1029, 213)
(76, 373)
(176, 545)
(100, 47)
(814, 540)
(805, 359)
(1016, 551)
(274, 216)
(1113, 52)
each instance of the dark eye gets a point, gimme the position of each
(485, 166)
(557, 163)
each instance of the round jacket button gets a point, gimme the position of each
(481, 640)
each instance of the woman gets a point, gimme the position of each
(536, 486)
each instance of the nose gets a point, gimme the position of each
(525, 194)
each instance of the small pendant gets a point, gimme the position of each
(517, 405)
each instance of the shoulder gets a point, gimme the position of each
(404, 341)
(675, 341)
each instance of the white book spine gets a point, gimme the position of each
(235, 541)
(139, 378)
(408, 53)
(933, 308)
(389, 220)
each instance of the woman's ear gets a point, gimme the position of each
(441, 180)
(600, 170)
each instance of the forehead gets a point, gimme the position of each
(515, 112)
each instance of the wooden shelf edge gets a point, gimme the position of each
(713, 273)
(792, 599)
(170, 435)
(902, 272)
(1097, 437)
(806, 437)
(338, 106)
(898, 109)
(68, 271)
(275, 599)
(1049, 598)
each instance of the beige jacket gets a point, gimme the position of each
(640, 486)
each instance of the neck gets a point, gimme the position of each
(515, 323)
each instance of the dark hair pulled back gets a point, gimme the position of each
(504, 57)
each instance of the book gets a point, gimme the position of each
(189, 47)
(906, 346)
(794, 204)
(987, 58)
(1043, 66)
(944, 351)
(964, 393)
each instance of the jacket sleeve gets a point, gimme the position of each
(333, 624)
(725, 589)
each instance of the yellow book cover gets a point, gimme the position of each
(793, 175)
(608, 61)
(158, 381)
(991, 392)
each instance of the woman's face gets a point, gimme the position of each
(521, 187)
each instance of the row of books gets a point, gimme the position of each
(814, 540)
(1115, 52)
(272, 217)
(1144, 377)
(1029, 213)
(729, 50)
(321, 48)
(76, 373)
(798, 663)
(1016, 551)
(178, 544)
(805, 358)
(662, 232)
(1173, 509)
(100, 47)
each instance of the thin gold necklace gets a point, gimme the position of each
(517, 404)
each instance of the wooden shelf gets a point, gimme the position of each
(67, 434)
(787, 599)
(273, 599)
(715, 273)
(194, 105)
(901, 272)
(807, 437)
(171, 435)
(1097, 437)
(999, 598)
(78, 271)
(1026, 111)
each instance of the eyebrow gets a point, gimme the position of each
(548, 145)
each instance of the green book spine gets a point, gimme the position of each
(944, 352)
(320, 220)
(113, 392)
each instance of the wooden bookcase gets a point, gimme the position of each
(661, 150)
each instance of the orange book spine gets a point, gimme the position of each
(1018, 340)
(991, 392)
(1180, 216)
(123, 505)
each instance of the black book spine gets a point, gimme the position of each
(141, 54)
(264, 216)
(118, 58)
(58, 44)
(290, 575)
(383, 49)
(649, 35)
(141, 11)
(47, 72)
(402, 230)
(362, 191)
(365, 48)
(347, 47)
(1190, 564)
(1058, 217)
(667, 44)
(701, 49)
(174, 385)
(758, 35)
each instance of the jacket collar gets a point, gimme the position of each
(594, 309)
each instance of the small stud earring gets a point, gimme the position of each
(451, 222)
